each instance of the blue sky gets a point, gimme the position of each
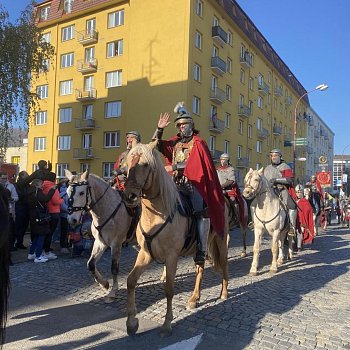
(313, 38)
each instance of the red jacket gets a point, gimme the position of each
(305, 219)
(54, 204)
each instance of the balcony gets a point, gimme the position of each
(89, 37)
(88, 95)
(85, 124)
(217, 95)
(87, 66)
(246, 60)
(244, 111)
(263, 134)
(277, 130)
(219, 35)
(242, 163)
(288, 100)
(218, 65)
(83, 153)
(215, 154)
(263, 88)
(309, 149)
(278, 91)
(216, 125)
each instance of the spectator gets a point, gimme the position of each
(82, 234)
(39, 228)
(44, 168)
(64, 215)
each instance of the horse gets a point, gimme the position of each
(110, 225)
(162, 231)
(270, 216)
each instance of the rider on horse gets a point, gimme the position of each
(120, 169)
(194, 172)
(280, 175)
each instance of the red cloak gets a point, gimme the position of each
(201, 171)
(305, 220)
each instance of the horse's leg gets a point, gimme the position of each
(97, 251)
(256, 252)
(290, 247)
(281, 240)
(192, 302)
(163, 276)
(223, 263)
(142, 261)
(274, 250)
(171, 264)
(244, 234)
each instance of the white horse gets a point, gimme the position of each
(110, 225)
(270, 216)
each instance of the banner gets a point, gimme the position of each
(324, 178)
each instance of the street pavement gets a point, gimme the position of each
(57, 305)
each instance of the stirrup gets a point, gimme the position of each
(251, 225)
(291, 232)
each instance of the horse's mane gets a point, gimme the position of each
(167, 187)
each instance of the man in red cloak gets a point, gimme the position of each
(305, 222)
(189, 160)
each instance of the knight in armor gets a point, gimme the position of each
(120, 169)
(188, 158)
(280, 175)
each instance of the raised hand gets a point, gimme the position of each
(163, 120)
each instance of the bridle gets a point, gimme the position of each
(255, 191)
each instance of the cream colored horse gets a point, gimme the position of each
(269, 216)
(165, 230)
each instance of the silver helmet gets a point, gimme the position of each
(135, 134)
(225, 156)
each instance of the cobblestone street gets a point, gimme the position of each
(304, 306)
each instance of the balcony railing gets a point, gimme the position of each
(87, 95)
(85, 124)
(278, 91)
(217, 95)
(89, 37)
(277, 130)
(215, 154)
(242, 163)
(246, 60)
(89, 66)
(244, 111)
(288, 100)
(263, 134)
(216, 125)
(219, 35)
(83, 153)
(263, 88)
(218, 65)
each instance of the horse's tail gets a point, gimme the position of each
(4, 287)
(217, 251)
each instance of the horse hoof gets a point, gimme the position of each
(109, 299)
(104, 286)
(279, 263)
(273, 271)
(132, 327)
(191, 305)
(165, 333)
(223, 296)
(253, 273)
(243, 254)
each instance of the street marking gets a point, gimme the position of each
(188, 344)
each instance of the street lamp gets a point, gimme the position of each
(320, 87)
(341, 171)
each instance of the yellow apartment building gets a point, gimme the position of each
(119, 64)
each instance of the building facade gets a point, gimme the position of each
(119, 64)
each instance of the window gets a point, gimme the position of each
(228, 92)
(241, 100)
(259, 124)
(199, 8)
(39, 143)
(226, 146)
(44, 13)
(35, 167)
(40, 117)
(42, 91)
(215, 52)
(115, 48)
(239, 152)
(112, 139)
(87, 141)
(229, 65)
(46, 37)
(90, 26)
(60, 168)
(89, 54)
(65, 115)
(114, 79)
(116, 19)
(242, 76)
(68, 33)
(214, 82)
(250, 131)
(249, 154)
(67, 60)
(88, 83)
(260, 102)
(107, 170)
(213, 112)
(66, 87)
(260, 80)
(216, 21)
(87, 112)
(227, 120)
(229, 37)
(63, 143)
(250, 106)
(196, 105)
(84, 167)
(45, 65)
(198, 40)
(251, 84)
(15, 159)
(68, 6)
(113, 109)
(240, 126)
(212, 143)
(258, 146)
(197, 72)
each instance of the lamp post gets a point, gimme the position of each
(341, 171)
(320, 87)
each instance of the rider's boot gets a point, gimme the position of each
(203, 227)
(251, 223)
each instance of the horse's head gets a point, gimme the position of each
(78, 196)
(252, 183)
(139, 180)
